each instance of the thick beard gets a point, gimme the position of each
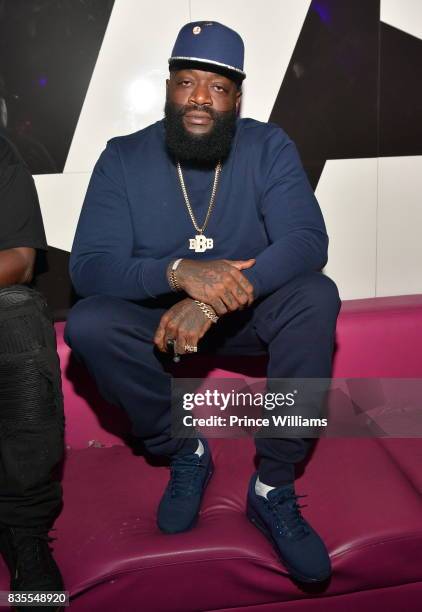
(204, 148)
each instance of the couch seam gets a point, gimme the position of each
(410, 536)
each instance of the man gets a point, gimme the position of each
(197, 218)
(31, 406)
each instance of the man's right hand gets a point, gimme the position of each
(219, 283)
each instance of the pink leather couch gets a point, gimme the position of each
(364, 497)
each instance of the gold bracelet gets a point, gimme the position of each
(171, 275)
(208, 311)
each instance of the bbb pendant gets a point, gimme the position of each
(200, 243)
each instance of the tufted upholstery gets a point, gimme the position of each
(364, 497)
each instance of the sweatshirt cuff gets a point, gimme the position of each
(254, 280)
(154, 276)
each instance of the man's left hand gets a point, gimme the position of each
(185, 323)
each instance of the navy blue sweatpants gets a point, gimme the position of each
(295, 325)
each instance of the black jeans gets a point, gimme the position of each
(31, 411)
(295, 325)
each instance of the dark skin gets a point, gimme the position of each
(185, 322)
(16, 266)
(218, 283)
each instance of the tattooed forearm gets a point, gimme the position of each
(219, 283)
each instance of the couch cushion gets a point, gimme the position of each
(375, 337)
(111, 551)
(380, 337)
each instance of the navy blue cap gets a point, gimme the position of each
(210, 44)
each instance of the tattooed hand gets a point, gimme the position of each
(185, 322)
(219, 283)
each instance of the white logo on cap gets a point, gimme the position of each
(196, 30)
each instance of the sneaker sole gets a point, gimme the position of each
(255, 520)
(195, 520)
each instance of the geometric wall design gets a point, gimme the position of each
(341, 77)
(328, 101)
(400, 93)
(48, 52)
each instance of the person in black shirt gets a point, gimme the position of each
(31, 401)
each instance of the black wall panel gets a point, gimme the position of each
(48, 50)
(328, 101)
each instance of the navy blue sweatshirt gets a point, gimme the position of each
(134, 220)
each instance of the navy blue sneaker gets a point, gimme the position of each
(189, 476)
(299, 547)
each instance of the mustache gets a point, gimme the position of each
(199, 109)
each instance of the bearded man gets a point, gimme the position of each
(202, 230)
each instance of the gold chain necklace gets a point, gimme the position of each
(200, 243)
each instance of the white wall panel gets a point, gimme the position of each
(61, 197)
(127, 89)
(399, 226)
(127, 92)
(405, 15)
(270, 31)
(347, 194)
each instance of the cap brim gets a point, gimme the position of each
(181, 63)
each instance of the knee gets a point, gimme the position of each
(17, 296)
(32, 383)
(24, 318)
(321, 294)
(88, 323)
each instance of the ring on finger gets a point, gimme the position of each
(189, 348)
(170, 340)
